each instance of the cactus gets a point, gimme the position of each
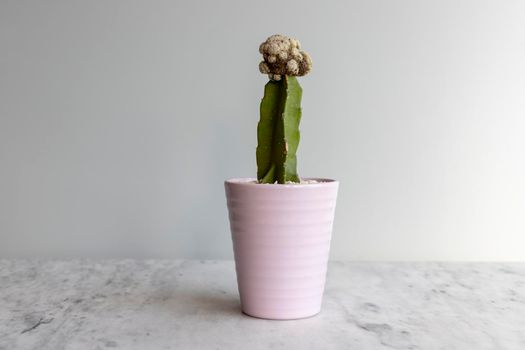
(278, 128)
(278, 131)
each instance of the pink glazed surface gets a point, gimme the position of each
(281, 240)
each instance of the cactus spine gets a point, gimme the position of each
(278, 131)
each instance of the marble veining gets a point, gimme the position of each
(174, 304)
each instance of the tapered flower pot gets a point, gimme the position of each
(281, 241)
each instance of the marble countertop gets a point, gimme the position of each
(174, 304)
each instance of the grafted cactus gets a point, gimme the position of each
(278, 129)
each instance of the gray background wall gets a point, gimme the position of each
(119, 120)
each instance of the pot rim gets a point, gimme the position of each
(249, 182)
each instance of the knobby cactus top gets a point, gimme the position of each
(283, 56)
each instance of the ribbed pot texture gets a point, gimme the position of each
(281, 241)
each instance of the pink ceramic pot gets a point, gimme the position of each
(281, 241)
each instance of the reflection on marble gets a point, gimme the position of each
(163, 304)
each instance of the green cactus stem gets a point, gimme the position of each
(278, 131)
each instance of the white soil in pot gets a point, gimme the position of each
(303, 182)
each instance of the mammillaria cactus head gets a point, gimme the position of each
(278, 129)
(283, 56)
